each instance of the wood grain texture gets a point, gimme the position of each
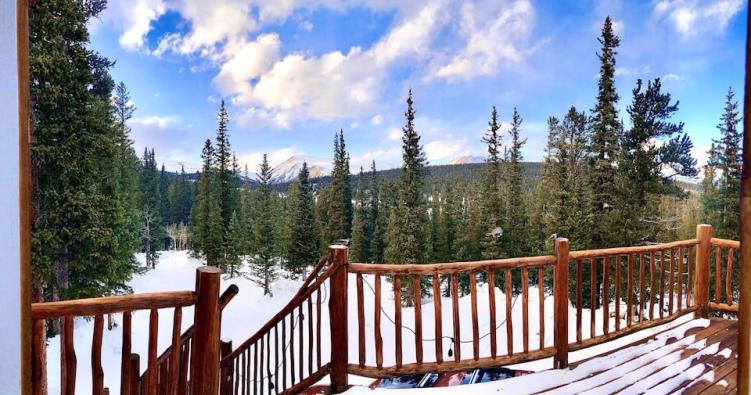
(112, 304)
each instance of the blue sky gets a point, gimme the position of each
(295, 72)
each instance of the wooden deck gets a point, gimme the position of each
(699, 360)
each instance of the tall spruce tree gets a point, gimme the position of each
(340, 194)
(225, 168)
(152, 229)
(82, 235)
(492, 198)
(359, 244)
(206, 218)
(516, 221)
(303, 246)
(264, 263)
(604, 144)
(374, 232)
(234, 247)
(729, 161)
(408, 223)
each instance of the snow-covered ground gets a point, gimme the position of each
(250, 309)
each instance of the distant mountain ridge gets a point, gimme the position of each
(288, 170)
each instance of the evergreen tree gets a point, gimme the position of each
(152, 230)
(82, 231)
(516, 225)
(340, 205)
(729, 161)
(374, 232)
(206, 219)
(226, 169)
(264, 263)
(408, 223)
(359, 245)
(303, 247)
(246, 214)
(492, 198)
(604, 143)
(711, 200)
(446, 226)
(646, 169)
(235, 244)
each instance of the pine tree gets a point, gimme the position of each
(374, 232)
(303, 247)
(492, 198)
(359, 244)
(604, 143)
(225, 168)
(340, 205)
(711, 200)
(82, 231)
(516, 225)
(446, 227)
(264, 263)
(235, 244)
(206, 219)
(646, 169)
(246, 214)
(152, 230)
(408, 223)
(730, 161)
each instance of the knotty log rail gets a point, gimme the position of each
(198, 347)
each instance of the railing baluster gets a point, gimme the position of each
(729, 277)
(301, 354)
(690, 281)
(630, 290)
(592, 296)
(652, 284)
(509, 323)
(679, 294)
(244, 364)
(184, 368)
(257, 371)
(318, 328)
(541, 291)
(525, 309)
(39, 358)
(68, 371)
(718, 275)
(291, 348)
(276, 357)
(579, 300)
(398, 320)
(417, 288)
(437, 312)
(284, 354)
(260, 365)
(97, 374)
(151, 378)
(662, 282)
(125, 362)
(642, 288)
(618, 260)
(605, 294)
(310, 336)
(672, 280)
(491, 306)
(455, 310)
(360, 320)
(268, 360)
(377, 323)
(174, 364)
(473, 306)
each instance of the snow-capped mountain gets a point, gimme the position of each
(290, 168)
(463, 160)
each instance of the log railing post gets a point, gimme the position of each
(701, 288)
(204, 361)
(228, 373)
(560, 303)
(338, 257)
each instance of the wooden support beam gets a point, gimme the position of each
(338, 258)
(701, 289)
(560, 310)
(204, 374)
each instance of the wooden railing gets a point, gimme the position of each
(415, 278)
(724, 295)
(204, 349)
(175, 358)
(285, 354)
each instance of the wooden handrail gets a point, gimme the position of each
(453, 267)
(725, 243)
(584, 254)
(112, 304)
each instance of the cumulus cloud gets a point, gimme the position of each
(492, 38)
(133, 19)
(692, 17)
(447, 148)
(158, 121)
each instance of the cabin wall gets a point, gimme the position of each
(10, 241)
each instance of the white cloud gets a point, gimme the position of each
(385, 158)
(671, 77)
(693, 17)
(306, 26)
(376, 120)
(447, 148)
(395, 134)
(133, 19)
(158, 121)
(493, 39)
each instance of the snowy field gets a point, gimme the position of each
(250, 309)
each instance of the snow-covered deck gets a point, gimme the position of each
(697, 356)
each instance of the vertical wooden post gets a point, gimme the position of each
(744, 305)
(228, 373)
(701, 290)
(204, 361)
(560, 302)
(135, 375)
(338, 257)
